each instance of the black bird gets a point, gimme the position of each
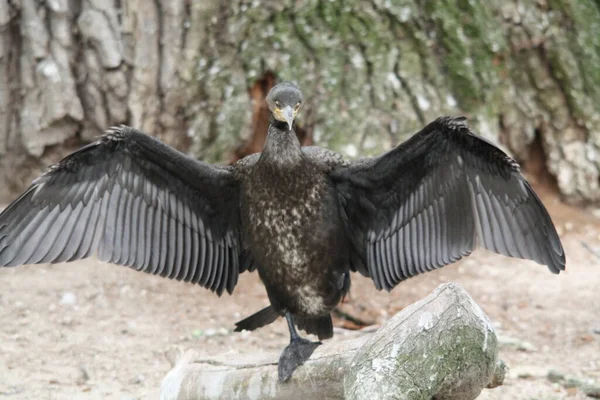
(303, 217)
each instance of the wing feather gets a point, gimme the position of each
(186, 249)
(203, 263)
(127, 231)
(157, 235)
(210, 259)
(140, 261)
(428, 202)
(194, 256)
(77, 235)
(235, 271)
(171, 268)
(31, 235)
(87, 244)
(132, 260)
(69, 219)
(112, 210)
(216, 262)
(133, 201)
(164, 244)
(40, 243)
(403, 272)
(224, 281)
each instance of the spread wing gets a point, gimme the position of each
(427, 203)
(136, 202)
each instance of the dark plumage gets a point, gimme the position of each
(303, 217)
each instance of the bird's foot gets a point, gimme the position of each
(295, 354)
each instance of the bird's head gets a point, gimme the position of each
(285, 101)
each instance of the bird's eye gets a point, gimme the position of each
(277, 104)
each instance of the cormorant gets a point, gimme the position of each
(302, 216)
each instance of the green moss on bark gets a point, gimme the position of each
(375, 72)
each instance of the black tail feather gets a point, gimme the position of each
(320, 326)
(257, 320)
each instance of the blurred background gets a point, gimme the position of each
(194, 74)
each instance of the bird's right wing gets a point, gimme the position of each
(136, 202)
(426, 203)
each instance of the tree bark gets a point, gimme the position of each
(442, 347)
(526, 73)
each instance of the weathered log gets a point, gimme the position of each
(442, 347)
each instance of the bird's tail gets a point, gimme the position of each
(320, 326)
(257, 320)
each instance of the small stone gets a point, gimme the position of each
(526, 346)
(245, 333)
(591, 390)
(223, 331)
(172, 354)
(572, 391)
(138, 379)
(519, 345)
(569, 383)
(555, 376)
(556, 387)
(527, 372)
(584, 339)
(197, 333)
(500, 371)
(68, 298)
(83, 376)
(13, 390)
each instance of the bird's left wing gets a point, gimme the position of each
(136, 202)
(426, 203)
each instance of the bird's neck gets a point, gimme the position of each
(282, 145)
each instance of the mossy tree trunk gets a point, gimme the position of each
(526, 73)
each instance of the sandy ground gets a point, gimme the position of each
(93, 331)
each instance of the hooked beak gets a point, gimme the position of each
(288, 114)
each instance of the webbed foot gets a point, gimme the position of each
(295, 354)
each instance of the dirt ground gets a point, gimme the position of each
(93, 331)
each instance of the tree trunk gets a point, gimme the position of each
(443, 347)
(526, 73)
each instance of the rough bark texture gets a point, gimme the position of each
(442, 347)
(373, 72)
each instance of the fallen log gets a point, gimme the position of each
(441, 347)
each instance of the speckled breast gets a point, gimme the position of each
(291, 222)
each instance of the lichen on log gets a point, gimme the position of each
(442, 347)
